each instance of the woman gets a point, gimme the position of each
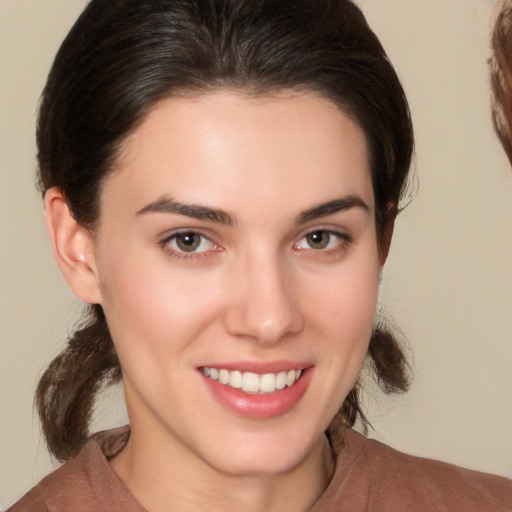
(221, 180)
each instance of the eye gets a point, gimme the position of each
(318, 239)
(321, 240)
(188, 242)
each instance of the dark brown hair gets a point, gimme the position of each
(500, 65)
(123, 56)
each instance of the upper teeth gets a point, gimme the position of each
(253, 382)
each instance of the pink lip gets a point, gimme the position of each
(260, 406)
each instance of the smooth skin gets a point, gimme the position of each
(234, 230)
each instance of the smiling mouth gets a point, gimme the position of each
(255, 383)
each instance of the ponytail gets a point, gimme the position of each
(67, 390)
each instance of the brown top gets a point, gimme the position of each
(369, 477)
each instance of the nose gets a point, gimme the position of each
(264, 305)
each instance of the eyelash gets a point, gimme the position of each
(177, 253)
(342, 240)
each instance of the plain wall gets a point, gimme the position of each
(447, 283)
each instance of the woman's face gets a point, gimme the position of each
(237, 247)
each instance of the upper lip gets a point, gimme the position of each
(259, 367)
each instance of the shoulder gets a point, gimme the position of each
(31, 502)
(371, 472)
(438, 482)
(57, 490)
(84, 483)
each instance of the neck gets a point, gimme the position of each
(164, 478)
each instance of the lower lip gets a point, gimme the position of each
(260, 406)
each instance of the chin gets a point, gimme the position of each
(257, 466)
(260, 457)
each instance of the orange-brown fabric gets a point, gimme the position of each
(372, 477)
(369, 477)
(86, 483)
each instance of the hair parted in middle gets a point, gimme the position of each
(122, 57)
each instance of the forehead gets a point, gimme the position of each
(218, 147)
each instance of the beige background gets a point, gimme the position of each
(448, 282)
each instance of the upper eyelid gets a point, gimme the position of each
(343, 241)
(165, 245)
(169, 235)
(342, 232)
(339, 234)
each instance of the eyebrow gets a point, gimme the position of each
(331, 207)
(168, 205)
(195, 211)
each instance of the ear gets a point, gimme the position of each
(72, 247)
(387, 234)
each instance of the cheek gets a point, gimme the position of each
(153, 311)
(342, 315)
(347, 301)
(340, 322)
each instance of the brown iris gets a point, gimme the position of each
(188, 242)
(318, 239)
